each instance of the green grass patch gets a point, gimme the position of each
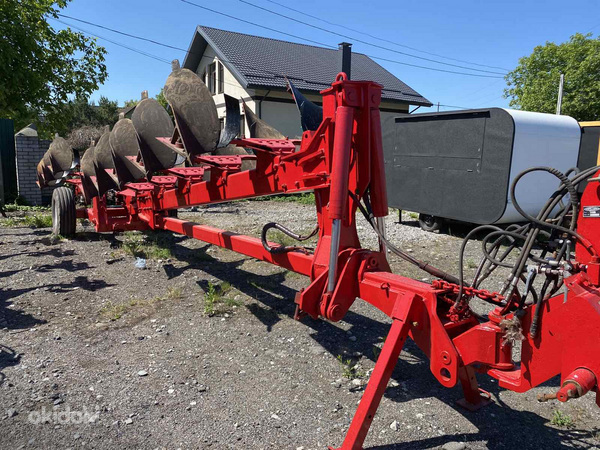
(562, 420)
(114, 311)
(306, 198)
(12, 207)
(32, 221)
(349, 369)
(471, 264)
(217, 298)
(147, 245)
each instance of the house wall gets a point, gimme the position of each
(277, 107)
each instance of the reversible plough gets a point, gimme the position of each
(137, 175)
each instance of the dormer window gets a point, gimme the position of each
(212, 78)
(221, 78)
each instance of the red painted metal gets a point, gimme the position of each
(579, 383)
(345, 154)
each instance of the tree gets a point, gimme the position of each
(41, 67)
(107, 112)
(160, 98)
(533, 85)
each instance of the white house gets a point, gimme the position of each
(253, 68)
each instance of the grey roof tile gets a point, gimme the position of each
(264, 62)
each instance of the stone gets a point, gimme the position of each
(142, 373)
(453, 445)
(394, 425)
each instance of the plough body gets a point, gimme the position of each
(342, 162)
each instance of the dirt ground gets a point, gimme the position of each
(200, 350)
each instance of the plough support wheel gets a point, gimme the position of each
(63, 212)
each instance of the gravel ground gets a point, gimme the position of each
(200, 350)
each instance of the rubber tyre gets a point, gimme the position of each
(430, 223)
(64, 215)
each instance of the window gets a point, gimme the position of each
(221, 79)
(212, 78)
(242, 126)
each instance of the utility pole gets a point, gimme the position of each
(438, 107)
(560, 94)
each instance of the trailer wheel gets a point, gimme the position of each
(63, 212)
(431, 223)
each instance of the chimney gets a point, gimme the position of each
(346, 50)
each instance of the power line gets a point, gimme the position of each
(382, 39)
(254, 68)
(255, 24)
(432, 68)
(158, 58)
(141, 52)
(329, 46)
(262, 71)
(149, 55)
(122, 33)
(354, 38)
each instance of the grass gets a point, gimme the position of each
(147, 245)
(349, 369)
(32, 221)
(307, 198)
(114, 311)
(16, 207)
(561, 419)
(216, 297)
(471, 264)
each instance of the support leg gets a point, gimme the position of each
(475, 397)
(376, 387)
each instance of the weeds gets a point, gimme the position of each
(16, 207)
(307, 198)
(33, 221)
(114, 311)
(215, 295)
(149, 245)
(173, 293)
(349, 369)
(561, 419)
(471, 264)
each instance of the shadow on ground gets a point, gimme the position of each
(499, 426)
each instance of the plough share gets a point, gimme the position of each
(136, 177)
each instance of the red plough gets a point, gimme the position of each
(341, 161)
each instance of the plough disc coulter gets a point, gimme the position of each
(146, 167)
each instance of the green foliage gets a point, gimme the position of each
(216, 296)
(349, 369)
(305, 198)
(148, 245)
(561, 419)
(18, 207)
(35, 221)
(80, 112)
(132, 102)
(40, 66)
(533, 85)
(160, 98)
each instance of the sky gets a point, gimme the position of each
(487, 33)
